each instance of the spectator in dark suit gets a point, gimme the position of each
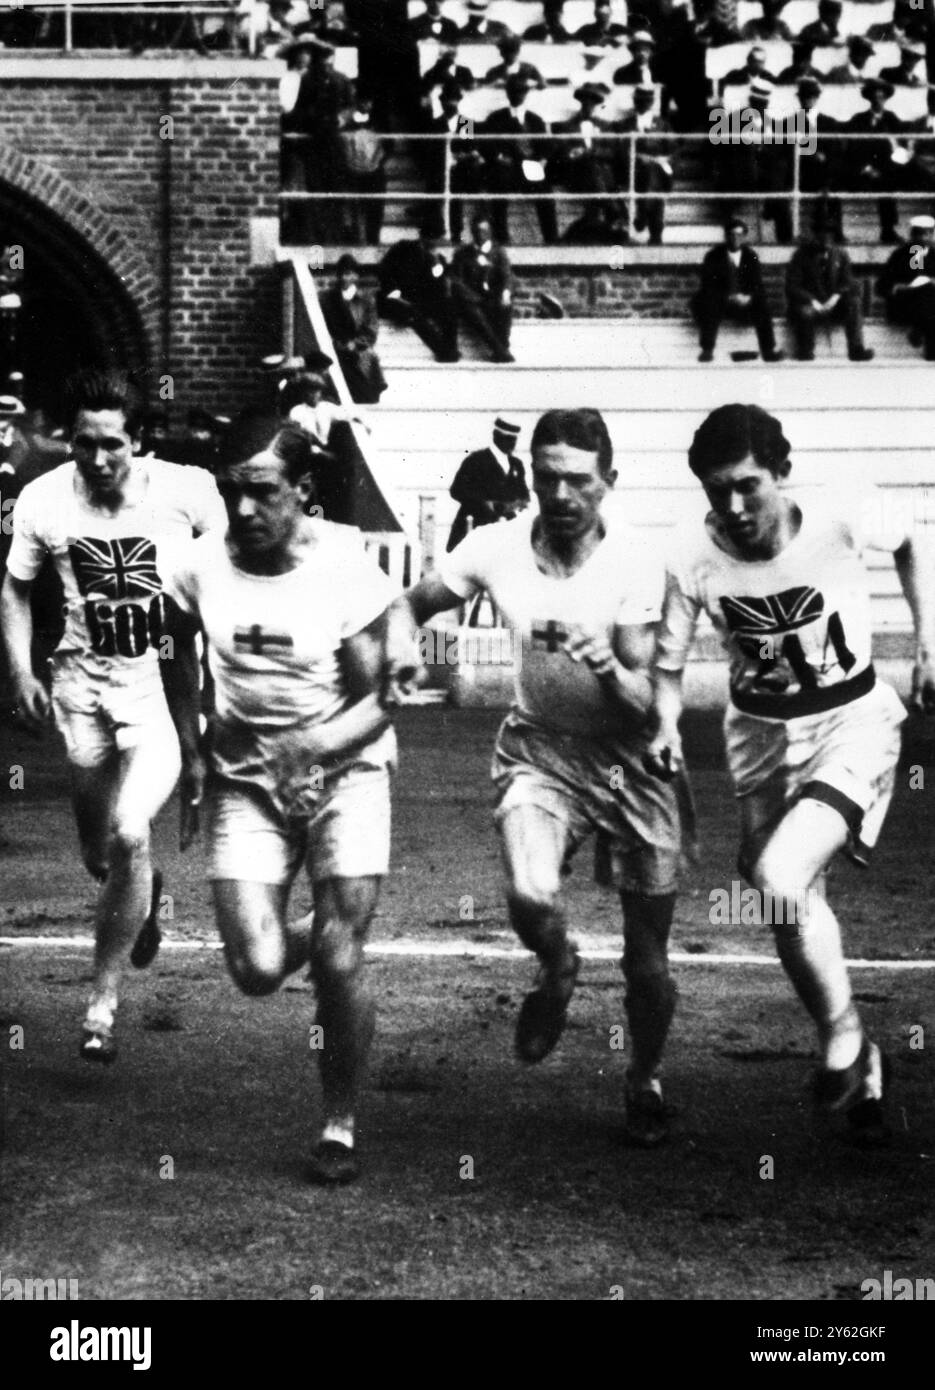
(755, 70)
(903, 25)
(859, 52)
(351, 319)
(872, 168)
(482, 287)
(490, 484)
(511, 65)
(653, 173)
(468, 173)
(433, 25)
(821, 289)
(480, 29)
(713, 26)
(819, 171)
(732, 287)
(758, 165)
(519, 165)
(589, 164)
(801, 65)
(602, 31)
(552, 28)
(825, 31)
(907, 283)
(444, 70)
(364, 154)
(640, 71)
(770, 26)
(415, 291)
(910, 71)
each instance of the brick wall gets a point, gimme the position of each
(166, 207)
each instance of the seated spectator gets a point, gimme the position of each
(825, 31)
(602, 32)
(770, 27)
(364, 159)
(874, 166)
(821, 171)
(801, 65)
(755, 70)
(758, 165)
(552, 28)
(511, 65)
(859, 52)
(590, 165)
(732, 287)
(519, 164)
(415, 291)
(910, 71)
(482, 287)
(351, 320)
(904, 25)
(446, 69)
(433, 25)
(907, 283)
(712, 27)
(303, 402)
(490, 484)
(821, 289)
(653, 173)
(467, 171)
(480, 29)
(640, 71)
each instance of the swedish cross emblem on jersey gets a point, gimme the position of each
(548, 636)
(121, 568)
(256, 640)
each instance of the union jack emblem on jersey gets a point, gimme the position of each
(755, 617)
(124, 567)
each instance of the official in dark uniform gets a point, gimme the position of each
(490, 485)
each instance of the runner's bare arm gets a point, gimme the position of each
(915, 566)
(413, 608)
(362, 661)
(30, 696)
(180, 670)
(621, 663)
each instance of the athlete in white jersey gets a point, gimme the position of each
(300, 750)
(582, 595)
(812, 736)
(109, 521)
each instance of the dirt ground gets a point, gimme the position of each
(177, 1174)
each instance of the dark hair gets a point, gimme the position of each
(731, 432)
(581, 429)
(97, 388)
(253, 432)
(346, 262)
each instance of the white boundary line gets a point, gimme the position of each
(602, 948)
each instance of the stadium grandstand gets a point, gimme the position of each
(607, 145)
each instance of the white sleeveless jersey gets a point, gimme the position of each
(112, 565)
(795, 627)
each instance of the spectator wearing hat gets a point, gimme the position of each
(445, 71)
(872, 166)
(519, 164)
(303, 402)
(640, 71)
(653, 174)
(351, 320)
(770, 26)
(511, 65)
(433, 25)
(825, 31)
(910, 71)
(479, 28)
(819, 171)
(801, 65)
(754, 70)
(821, 289)
(589, 163)
(907, 283)
(732, 287)
(552, 29)
(482, 288)
(602, 32)
(415, 291)
(490, 484)
(364, 155)
(322, 97)
(859, 52)
(757, 166)
(467, 171)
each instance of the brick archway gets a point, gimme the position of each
(81, 253)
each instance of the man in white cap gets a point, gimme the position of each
(490, 484)
(907, 283)
(480, 29)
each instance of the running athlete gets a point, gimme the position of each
(812, 736)
(109, 522)
(300, 747)
(582, 593)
